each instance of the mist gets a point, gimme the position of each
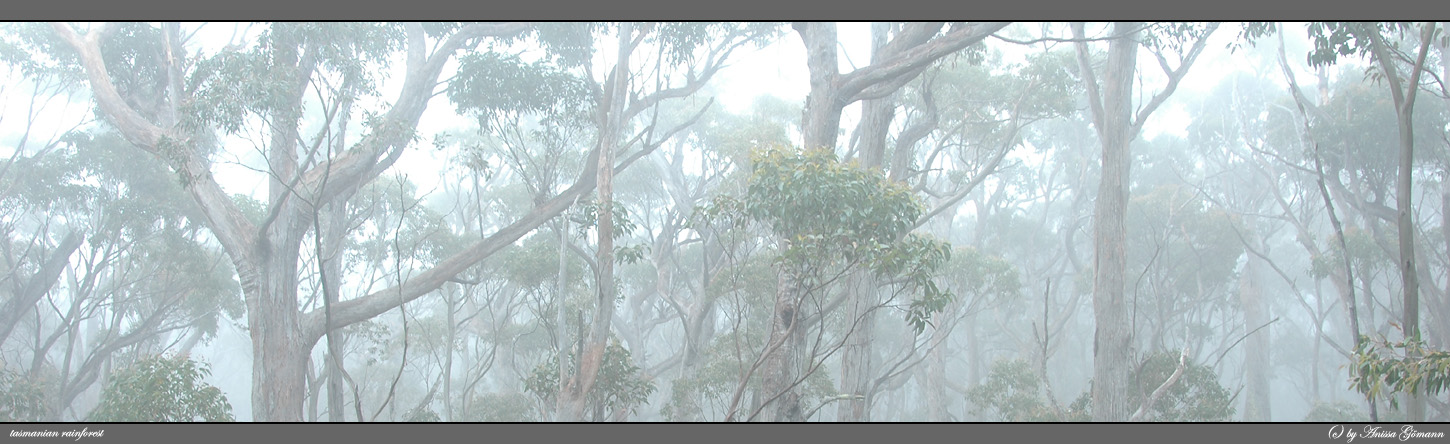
(724, 222)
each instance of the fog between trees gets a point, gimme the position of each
(724, 222)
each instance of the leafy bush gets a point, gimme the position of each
(162, 389)
(620, 383)
(502, 407)
(1013, 393)
(1197, 396)
(1338, 411)
(21, 398)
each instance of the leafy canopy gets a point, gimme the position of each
(832, 216)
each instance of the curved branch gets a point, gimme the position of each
(227, 222)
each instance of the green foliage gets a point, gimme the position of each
(21, 397)
(1175, 37)
(588, 212)
(1012, 393)
(969, 100)
(1364, 253)
(97, 184)
(162, 389)
(620, 384)
(734, 136)
(491, 84)
(1381, 369)
(253, 209)
(680, 42)
(38, 52)
(832, 216)
(401, 221)
(535, 263)
(917, 258)
(223, 89)
(1180, 237)
(824, 208)
(135, 59)
(1196, 397)
(423, 414)
(502, 407)
(1333, 40)
(570, 44)
(972, 274)
(709, 388)
(1338, 411)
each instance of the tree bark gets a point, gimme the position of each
(1404, 98)
(572, 398)
(1112, 116)
(1112, 111)
(876, 114)
(35, 288)
(856, 365)
(266, 256)
(911, 52)
(781, 368)
(1256, 347)
(936, 381)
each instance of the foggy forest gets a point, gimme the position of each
(724, 222)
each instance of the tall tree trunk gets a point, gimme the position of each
(1404, 98)
(1113, 355)
(779, 396)
(266, 256)
(1444, 317)
(572, 398)
(856, 368)
(332, 274)
(1345, 286)
(936, 384)
(876, 114)
(1112, 111)
(1256, 347)
(822, 118)
(279, 354)
(856, 365)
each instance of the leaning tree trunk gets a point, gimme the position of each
(26, 295)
